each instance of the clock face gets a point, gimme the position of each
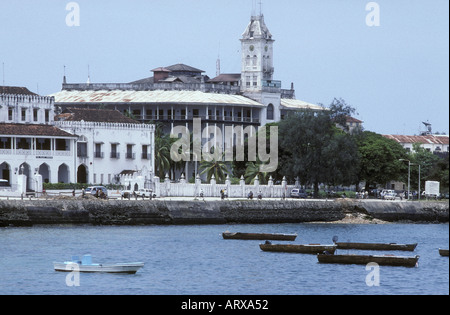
(252, 48)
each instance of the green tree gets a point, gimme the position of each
(253, 170)
(380, 159)
(162, 152)
(315, 150)
(432, 167)
(216, 167)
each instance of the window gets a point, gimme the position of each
(82, 149)
(196, 113)
(47, 115)
(98, 151)
(270, 112)
(5, 143)
(24, 114)
(23, 143)
(10, 113)
(130, 154)
(145, 155)
(43, 144)
(114, 153)
(35, 114)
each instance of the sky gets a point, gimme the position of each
(394, 73)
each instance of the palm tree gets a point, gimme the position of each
(162, 152)
(253, 170)
(216, 167)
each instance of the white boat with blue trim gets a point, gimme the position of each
(86, 265)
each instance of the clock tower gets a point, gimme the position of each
(257, 55)
(257, 69)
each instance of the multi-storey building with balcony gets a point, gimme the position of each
(177, 94)
(109, 144)
(29, 143)
(84, 146)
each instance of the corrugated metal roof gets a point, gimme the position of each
(431, 139)
(298, 104)
(162, 97)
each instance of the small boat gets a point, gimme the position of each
(259, 236)
(382, 260)
(86, 265)
(302, 249)
(443, 252)
(377, 246)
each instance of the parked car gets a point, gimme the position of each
(390, 196)
(127, 193)
(144, 193)
(97, 191)
(4, 183)
(299, 193)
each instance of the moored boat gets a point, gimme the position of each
(86, 265)
(376, 246)
(302, 249)
(382, 260)
(443, 252)
(259, 236)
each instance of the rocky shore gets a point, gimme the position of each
(173, 212)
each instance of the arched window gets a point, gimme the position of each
(270, 112)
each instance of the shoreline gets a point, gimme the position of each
(73, 211)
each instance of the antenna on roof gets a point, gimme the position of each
(3, 73)
(64, 78)
(89, 76)
(218, 63)
(260, 7)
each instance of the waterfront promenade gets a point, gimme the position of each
(185, 210)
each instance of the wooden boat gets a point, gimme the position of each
(259, 236)
(302, 249)
(382, 260)
(377, 246)
(443, 252)
(86, 265)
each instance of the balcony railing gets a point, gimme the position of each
(99, 155)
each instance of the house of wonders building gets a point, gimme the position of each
(177, 94)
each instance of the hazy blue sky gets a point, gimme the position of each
(396, 75)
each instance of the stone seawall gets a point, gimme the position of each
(166, 212)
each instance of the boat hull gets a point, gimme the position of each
(400, 261)
(301, 249)
(259, 236)
(128, 268)
(377, 246)
(443, 252)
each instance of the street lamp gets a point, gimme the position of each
(419, 177)
(409, 173)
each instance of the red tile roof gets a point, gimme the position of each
(32, 130)
(95, 115)
(431, 139)
(18, 90)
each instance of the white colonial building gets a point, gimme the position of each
(109, 145)
(32, 150)
(81, 146)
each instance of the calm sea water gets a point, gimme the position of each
(195, 260)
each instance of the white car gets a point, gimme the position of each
(390, 196)
(144, 193)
